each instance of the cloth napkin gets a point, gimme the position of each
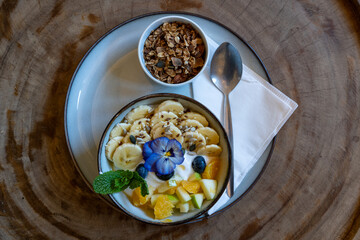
(258, 112)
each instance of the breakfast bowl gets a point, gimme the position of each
(173, 51)
(175, 145)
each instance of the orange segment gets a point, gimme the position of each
(191, 186)
(138, 199)
(135, 199)
(211, 170)
(171, 191)
(163, 207)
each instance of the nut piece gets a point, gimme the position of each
(174, 52)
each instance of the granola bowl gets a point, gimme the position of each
(173, 51)
(186, 194)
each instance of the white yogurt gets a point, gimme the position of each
(183, 170)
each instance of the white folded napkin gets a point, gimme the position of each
(258, 112)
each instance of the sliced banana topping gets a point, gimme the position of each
(141, 124)
(127, 156)
(170, 131)
(138, 137)
(210, 150)
(196, 116)
(193, 141)
(170, 106)
(120, 129)
(163, 116)
(111, 146)
(139, 112)
(190, 125)
(211, 136)
(156, 126)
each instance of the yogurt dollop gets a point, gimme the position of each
(183, 170)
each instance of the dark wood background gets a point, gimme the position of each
(311, 187)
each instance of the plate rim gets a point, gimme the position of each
(206, 216)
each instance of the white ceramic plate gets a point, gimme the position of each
(109, 76)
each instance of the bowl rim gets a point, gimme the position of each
(170, 96)
(156, 23)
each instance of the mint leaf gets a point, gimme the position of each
(117, 181)
(104, 183)
(134, 183)
(144, 189)
(138, 181)
(127, 174)
(120, 184)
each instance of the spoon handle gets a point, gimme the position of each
(228, 128)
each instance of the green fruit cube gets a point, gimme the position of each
(197, 199)
(209, 188)
(195, 177)
(182, 194)
(184, 207)
(173, 199)
(174, 181)
(191, 206)
(164, 187)
(153, 199)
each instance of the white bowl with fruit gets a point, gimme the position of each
(163, 159)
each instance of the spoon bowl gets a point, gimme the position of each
(225, 72)
(226, 68)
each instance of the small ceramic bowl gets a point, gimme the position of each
(155, 25)
(122, 201)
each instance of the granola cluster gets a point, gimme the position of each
(174, 52)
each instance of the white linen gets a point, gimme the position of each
(258, 112)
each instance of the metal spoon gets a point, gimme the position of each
(225, 72)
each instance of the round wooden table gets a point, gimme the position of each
(311, 186)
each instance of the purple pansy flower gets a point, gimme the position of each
(161, 155)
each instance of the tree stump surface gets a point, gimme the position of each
(311, 186)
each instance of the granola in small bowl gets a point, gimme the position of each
(173, 51)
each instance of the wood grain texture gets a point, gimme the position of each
(311, 187)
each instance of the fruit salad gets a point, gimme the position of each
(174, 150)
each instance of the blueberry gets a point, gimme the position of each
(164, 177)
(141, 170)
(199, 164)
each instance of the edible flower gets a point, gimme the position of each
(161, 155)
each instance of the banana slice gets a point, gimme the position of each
(170, 131)
(111, 146)
(157, 125)
(211, 136)
(141, 137)
(170, 106)
(163, 116)
(196, 116)
(127, 156)
(141, 124)
(190, 125)
(141, 111)
(193, 138)
(210, 150)
(120, 129)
